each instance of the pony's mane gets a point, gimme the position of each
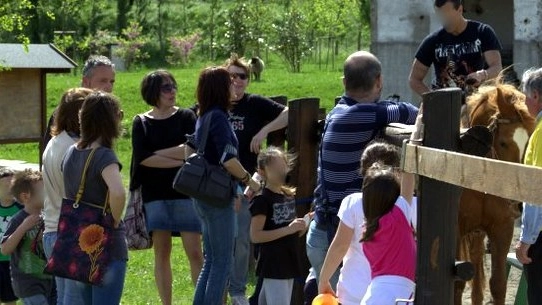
(489, 92)
(486, 99)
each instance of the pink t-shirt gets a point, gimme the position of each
(392, 251)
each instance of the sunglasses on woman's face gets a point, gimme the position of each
(241, 76)
(168, 88)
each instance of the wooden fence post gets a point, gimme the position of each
(278, 137)
(302, 140)
(438, 204)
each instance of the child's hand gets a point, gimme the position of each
(30, 222)
(325, 288)
(297, 225)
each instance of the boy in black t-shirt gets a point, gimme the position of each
(464, 53)
(277, 229)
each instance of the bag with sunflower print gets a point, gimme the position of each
(84, 231)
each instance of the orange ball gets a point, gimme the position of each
(325, 299)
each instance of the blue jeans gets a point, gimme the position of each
(62, 284)
(218, 236)
(317, 246)
(108, 294)
(38, 299)
(241, 254)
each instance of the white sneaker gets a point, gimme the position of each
(239, 300)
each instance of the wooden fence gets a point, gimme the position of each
(443, 172)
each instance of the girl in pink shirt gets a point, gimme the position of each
(388, 237)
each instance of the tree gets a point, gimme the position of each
(123, 8)
(237, 33)
(364, 15)
(291, 41)
(214, 10)
(13, 20)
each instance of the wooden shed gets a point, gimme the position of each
(23, 89)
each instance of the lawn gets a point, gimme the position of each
(139, 285)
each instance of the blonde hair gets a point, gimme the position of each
(266, 155)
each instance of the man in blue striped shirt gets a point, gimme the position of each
(356, 120)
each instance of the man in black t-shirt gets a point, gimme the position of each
(464, 53)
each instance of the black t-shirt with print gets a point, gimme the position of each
(247, 117)
(455, 57)
(278, 259)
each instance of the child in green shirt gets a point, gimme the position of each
(8, 207)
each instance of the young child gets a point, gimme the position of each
(22, 240)
(276, 228)
(355, 273)
(388, 237)
(8, 207)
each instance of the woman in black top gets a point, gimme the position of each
(157, 138)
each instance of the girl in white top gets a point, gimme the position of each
(355, 274)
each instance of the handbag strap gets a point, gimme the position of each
(206, 125)
(81, 189)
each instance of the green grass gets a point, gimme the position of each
(139, 285)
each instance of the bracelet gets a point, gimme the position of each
(246, 178)
(484, 71)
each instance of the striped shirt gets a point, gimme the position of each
(350, 126)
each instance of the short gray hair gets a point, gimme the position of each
(96, 61)
(531, 81)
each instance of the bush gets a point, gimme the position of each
(180, 49)
(131, 45)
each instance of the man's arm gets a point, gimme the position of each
(493, 60)
(278, 123)
(415, 79)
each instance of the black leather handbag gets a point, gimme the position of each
(203, 181)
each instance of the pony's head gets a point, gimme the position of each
(501, 108)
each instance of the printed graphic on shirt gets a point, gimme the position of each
(283, 212)
(456, 62)
(4, 220)
(6, 214)
(32, 260)
(237, 122)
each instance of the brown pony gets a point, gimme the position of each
(502, 109)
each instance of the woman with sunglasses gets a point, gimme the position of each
(157, 155)
(253, 117)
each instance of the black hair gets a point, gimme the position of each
(456, 3)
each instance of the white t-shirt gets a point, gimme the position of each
(355, 275)
(53, 180)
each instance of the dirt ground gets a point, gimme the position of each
(513, 279)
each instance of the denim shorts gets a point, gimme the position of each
(175, 216)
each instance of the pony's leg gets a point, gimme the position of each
(501, 238)
(459, 287)
(477, 251)
(462, 254)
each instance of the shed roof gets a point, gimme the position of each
(39, 56)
